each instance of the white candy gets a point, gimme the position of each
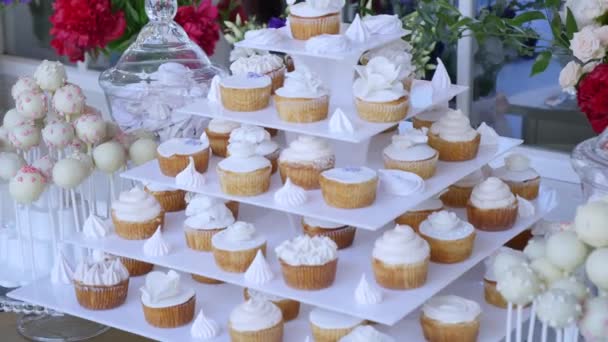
(31, 105)
(69, 100)
(12, 118)
(109, 157)
(69, 173)
(27, 185)
(24, 84)
(566, 251)
(519, 285)
(10, 164)
(5, 143)
(596, 268)
(25, 136)
(91, 129)
(590, 223)
(547, 270)
(142, 151)
(558, 308)
(536, 248)
(50, 75)
(58, 134)
(593, 323)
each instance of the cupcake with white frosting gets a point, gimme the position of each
(135, 267)
(303, 98)
(260, 138)
(199, 203)
(244, 173)
(341, 234)
(256, 320)
(379, 93)
(218, 131)
(419, 213)
(450, 318)
(289, 307)
(331, 326)
(248, 92)
(170, 199)
(454, 137)
(366, 333)
(312, 18)
(235, 247)
(492, 206)
(308, 263)
(349, 187)
(450, 238)
(101, 285)
(200, 228)
(165, 301)
(458, 194)
(523, 180)
(174, 155)
(410, 152)
(400, 259)
(267, 64)
(136, 214)
(304, 160)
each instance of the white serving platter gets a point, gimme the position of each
(386, 207)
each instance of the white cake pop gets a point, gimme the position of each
(566, 251)
(85, 159)
(91, 129)
(506, 259)
(90, 110)
(519, 285)
(546, 270)
(590, 223)
(45, 166)
(69, 173)
(596, 268)
(31, 105)
(78, 145)
(69, 100)
(593, 322)
(27, 185)
(5, 143)
(558, 308)
(113, 132)
(572, 285)
(50, 75)
(25, 136)
(12, 118)
(536, 248)
(58, 134)
(143, 150)
(24, 84)
(110, 156)
(10, 164)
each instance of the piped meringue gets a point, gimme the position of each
(62, 271)
(366, 294)
(400, 183)
(190, 177)
(488, 134)
(441, 81)
(204, 328)
(340, 123)
(290, 195)
(156, 246)
(328, 43)
(259, 271)
(525, 208)
(95, 227)
(357, 32)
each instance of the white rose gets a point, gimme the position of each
(585, 45)
(569, 76)
(586, 11)
(602, 34)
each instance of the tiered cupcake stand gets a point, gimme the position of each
(397, 314)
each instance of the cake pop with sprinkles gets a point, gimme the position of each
(45, 166)
(12, 118)
(27, 185)
(91, 129)
(25, 136)
(24, 84)
(558, 308)
(10, 164)
(69, 100)
(58, 134)
(50, 75)
(31, 105)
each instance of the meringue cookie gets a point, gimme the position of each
(366, 294)
(290, 195)
(190, 177)
(259, 271)
(340, 123)
(156, 246)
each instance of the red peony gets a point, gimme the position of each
(593, 97)
(200, 22)
(224, 5)
(83, 25)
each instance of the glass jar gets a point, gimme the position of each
(590, 161)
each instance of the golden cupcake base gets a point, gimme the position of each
(135, 267)
(423, 168)
(245, 100)
(303, 175)
(309, 277)
(450, 251)
(171, 166)
(236, 261)
(172, 316)
(277, 77)
(343, 237)
(101, 297)
(456, 196)
(302, 110)
(206, 280)
(170, 201)
(436, 331)
(218, 142)
(415, 218)
(492, 296)
(272, 334)
(492, 220)
(455, 150)
(392, 111)
(289, 308)
(200, 239)
(303, 28)
(528, 189)
(419, 123)
(137, 230)
(246, 183)
(329, 335)
(348, 195)
(400, 277)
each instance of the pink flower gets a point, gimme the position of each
(200, 22)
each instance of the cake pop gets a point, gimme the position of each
(58, 134)
(109, 157)
(45, 166)
(85, 159)
(27, 185)
(50, 75)
(593, 322)
(506, 259)
(546, 270)
(536, 248)
(143, 150)
(78, 145)
(572, 285)
(69, 100)
(12, 118)
(596, 268)
(31, 105)
(91, 129)
(10, 164)
(68, 173)
(24, 84)
(590, 223)
(558, 308)
(560, 242)
(25, 136)
(5, 143)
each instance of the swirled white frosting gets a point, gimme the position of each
(204, 328)
(156, 246)
(525, 208)
(255, 315)
(451, 309)
(190, 177)
(399, 53)
(238, 236)
(492, 193)
(313, 222)
(302, 83)
(265, 36)
(259, 64)
(340, 123)
(249, 134)
(325, 319)
(315, 8)
(249, 80)
(266, 147)
(306, 250)
(136, 205)
(400, 183)
(215, 217)
(366, 333)
(222, 126)
(95, 227)
(309, 150)
(472, 179)
(357, 32)
(199, 203)
(401, 246)
(181, 146)
(243, 158)
(516, 169)
(62, 272)
(328, 43)
(163, 290)
(410, 145)
(107, 272)
(383, 24)
(290, 195)
(378, 81)
(259, 271)
(350, 175)
(445, 225)
(454, 126)
(366, 294)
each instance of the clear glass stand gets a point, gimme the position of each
(590, 161)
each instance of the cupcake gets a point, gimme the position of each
(259, 137)
(311, 18)
(523, 180)
(303, 98)
(419, 213)
(235, 247)
(304, 160)
(245, 93)
(101, 285)
(268, 64)
(244, 173)
(379, 94)
(170, 199)
(218, 131)
(174, 155)
(328, 326)
(492, 206)
(256, 321)
(430, 116)
(450, 318)
(400, 259)
(409, 152)
(135, 267)
(166, 302)
(308, 263)
(342, 235)
(136, 214)
(200, 228)
(289, 308)
(454, 138)
(399, 52)
(458, 194)
(450, 238)
(349, 187)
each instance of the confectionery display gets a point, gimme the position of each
(302, 98)
(450, 238)
(166, 302)
(101, 285)
(136, 214)
(235, 248)
(244, 172)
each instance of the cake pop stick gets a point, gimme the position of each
(544, 332)
(509, 321)
(518, 327)
(559, 335)
(83, 206)
(52, 220)
(532, 322)
(19, 234)
(28, 225)
(68, 173)
(74, 210)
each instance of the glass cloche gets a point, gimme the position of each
(160, 72)
(590, 161)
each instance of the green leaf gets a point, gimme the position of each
(541, 63)
(553, 3)
(527, 17)
(571, 26)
